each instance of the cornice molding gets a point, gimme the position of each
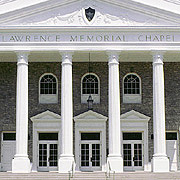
(32, 9)
(177, 2)
(2, 2)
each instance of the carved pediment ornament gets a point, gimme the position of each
(90, 17)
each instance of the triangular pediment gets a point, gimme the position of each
(46, 116)
(90, 116)
(134, 116)
(72, 13)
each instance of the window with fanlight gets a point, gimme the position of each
(131, 88)
(90, 85)
(48, 89)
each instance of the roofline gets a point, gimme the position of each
(32, 9)
(151, 10)
(165, 14)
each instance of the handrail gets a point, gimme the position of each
(109, 170)
(71, 172)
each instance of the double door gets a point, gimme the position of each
(133, 151)
(48, 156)
(90, 152)
(133, 156)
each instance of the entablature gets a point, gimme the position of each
(89, 39)
(135, 44)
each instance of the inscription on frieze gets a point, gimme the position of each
(103, 37)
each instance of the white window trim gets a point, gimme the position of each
(48, 98)
(132, 98)
(95, 97)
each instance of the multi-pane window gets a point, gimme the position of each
(48, 89)
(131, 84)
(90, 84)
(48, 84)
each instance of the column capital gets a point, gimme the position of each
(66, 54)
(113, 57)
(66, 57)
(22, 57)
(157, 55)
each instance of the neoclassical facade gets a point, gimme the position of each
(89, 85)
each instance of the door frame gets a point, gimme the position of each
(134, 121)
(46, 122)
(90, 122)
(132, 142)
(2, 144)
(91, 168)
(178, 162)
(48, 168)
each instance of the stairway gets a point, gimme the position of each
(33, 176)
(91, 176)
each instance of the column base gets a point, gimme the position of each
(115, 163)
(21, 164)
(160, 164)
(66, 162)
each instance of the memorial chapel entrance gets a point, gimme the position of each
(48, 152)
(134, 126)
(90, 141)
(90, 152)
(133, 151)
(46, 141)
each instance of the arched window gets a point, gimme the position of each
(48, 89)
(131, 84)
(90, 86)
(48, 84)
(132, 88)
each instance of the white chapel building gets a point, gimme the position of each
(89, 84)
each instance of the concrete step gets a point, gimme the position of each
(147, 176)
(91, 176)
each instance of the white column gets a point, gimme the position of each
(21, 162)
(160, 161)
(66, 158)
(115, 159)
